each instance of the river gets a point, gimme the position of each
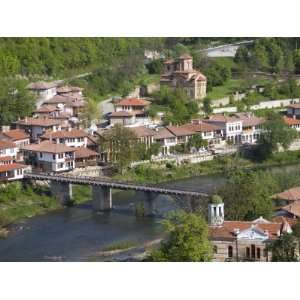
(78, 234)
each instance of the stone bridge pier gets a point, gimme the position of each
(102, 199)
(147, 199)
(62, 191)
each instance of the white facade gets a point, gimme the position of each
(45, 94)
(9, 152)
(57, 161)
(233, 131)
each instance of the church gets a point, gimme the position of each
(241, 240)
(179, 73)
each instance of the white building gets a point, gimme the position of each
(252, 127)
(231, 126)
(8, 149)
(71, 137)
(165, 139)
(43, 90)
(49, 157)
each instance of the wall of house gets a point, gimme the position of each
(9, 152)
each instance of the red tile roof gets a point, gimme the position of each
(293, 208)
(46, 109)
(13, 166)
(291, 121)
(74, 133)
(48, 147)
(16, 134)
(292, 194)
(6, 158)
(7, 144)
(133, 102)
(201, 126)
(142, 131)
(82, 152)
(180, 131)
(250, 119)
(42, 122)
(226, 231)
(163, 133)
(224, 119)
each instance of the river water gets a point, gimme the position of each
(77, 233)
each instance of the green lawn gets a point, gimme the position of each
(227, 89)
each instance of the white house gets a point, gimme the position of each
(8, 149)
(50, 157)
(43, 90)
(252, 127)
(231, 125)
(70, 137)
(166, 139)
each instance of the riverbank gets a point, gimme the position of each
(18, 201)
(164, 172)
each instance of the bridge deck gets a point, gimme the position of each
(84, 180)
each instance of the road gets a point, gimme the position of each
(228, 50)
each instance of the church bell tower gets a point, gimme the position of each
(216, 211)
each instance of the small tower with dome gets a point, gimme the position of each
(216, 211)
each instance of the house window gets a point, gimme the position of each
(53, 156)
(215, 249)
(41, 154)
(230, 252)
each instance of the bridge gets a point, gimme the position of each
(61, 187)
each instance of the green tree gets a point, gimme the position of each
(276, 134)
(207, 106)
(247, 195)
(196, 141)
(284, 248)
(123, 146)
(187, 240)
(15, 101)
(91, 112)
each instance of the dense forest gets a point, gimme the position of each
(118, 64)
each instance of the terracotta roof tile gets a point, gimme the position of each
(133, 102)
(292, 194)
(16, 134)
(7, 144)
(226, 231)
(163, 133)
(180, 131)
(291, 121)
(142, 131)
(48, 147)
(74, 133)
(82, 152)
(293, 208)
(13, 166)
(42, 122)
